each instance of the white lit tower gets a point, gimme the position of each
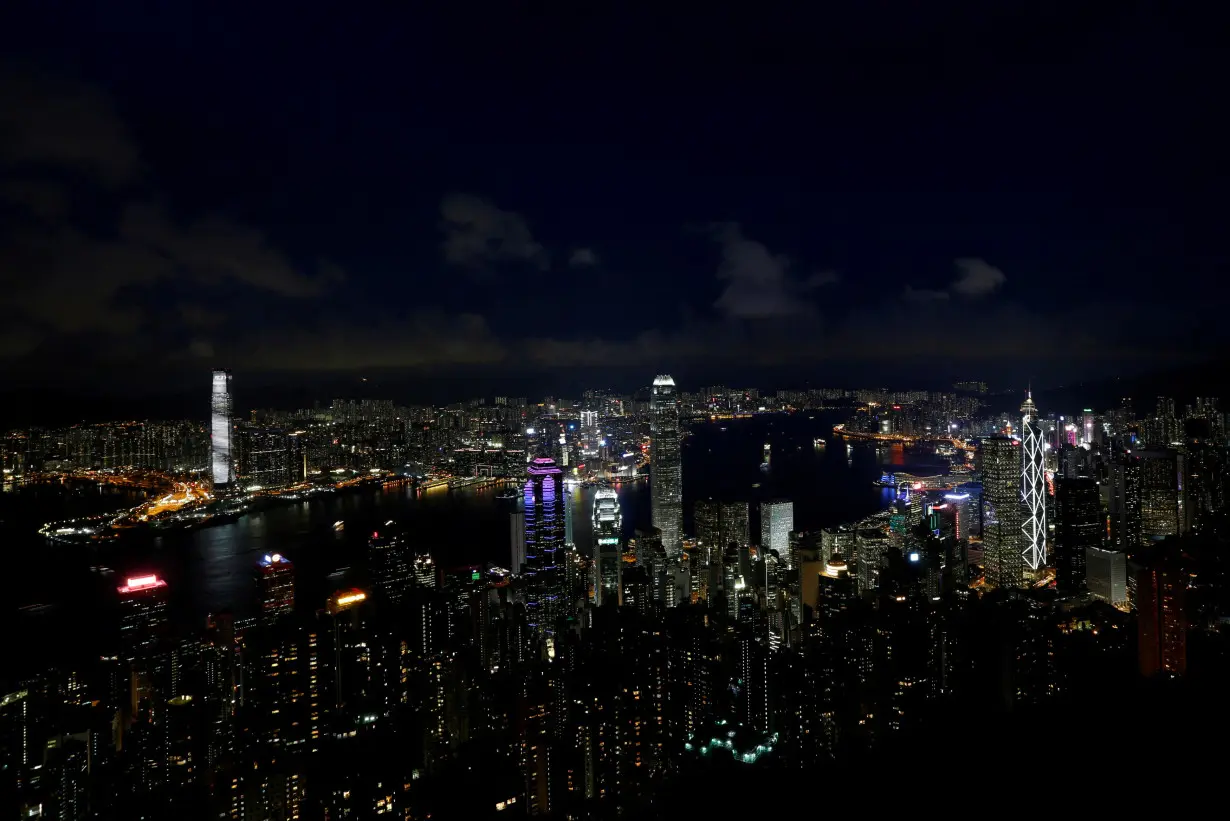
(223, 466)
(1033, 486)
(667, 478)
(608, 546)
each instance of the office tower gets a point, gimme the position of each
(720, 523)
(776, 522)
(516, 531)
(544, 543)
(1161, 493)
(1126, 531)
(667, 476)
(1106, 575)
(1033, 486)
(222, 464)
(389, 566)
(1003, 512)
(608, 546)
(275, 581)
(424, 570)
(1161, 620)
(1079, 525)
(143, 614)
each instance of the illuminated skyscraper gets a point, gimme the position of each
(143, 618)
(1003, 535)
(275, 580)
(608, 546)
(776, 522)
(223, 466)
(667, 479)
(544, 543)
(1033, 486)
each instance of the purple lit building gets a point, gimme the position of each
(544, 544)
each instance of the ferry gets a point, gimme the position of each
(818, 443)
(339, 525)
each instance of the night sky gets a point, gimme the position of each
(531, 198)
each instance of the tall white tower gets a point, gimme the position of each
(667, 479)
(1033, 486)
(221, 463)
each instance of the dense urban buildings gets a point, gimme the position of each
(611, 675)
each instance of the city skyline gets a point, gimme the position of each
(614, 412)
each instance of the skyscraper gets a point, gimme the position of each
(1162, 623)
(143, 618)
(516, 529)
(776, 522)
(608, 548)
(275, 580)
(1125, 522)
(667, 488)
(1003, 536)
(544, 543)
(720, 523)
(1079, 525)
(222, 464)
(1161, 493)
(1033, 486)
(388, 562)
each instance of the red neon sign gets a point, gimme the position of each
(138, 583)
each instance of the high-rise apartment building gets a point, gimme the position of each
(1033, 486)
(776, 522)
(221, 462)
(665, 456)
(1003, 512)
(544, 544)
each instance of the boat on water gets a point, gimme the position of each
(818, 443)
(339, 526)
(508, 493)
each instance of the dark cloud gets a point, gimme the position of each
(583, 258)
(977, 278)
(478, 234)
(912, 294)
(63, 125)
(429, 339)
(214, 249)
(759, 283)
(87, 270)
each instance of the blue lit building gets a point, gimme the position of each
(545, 517)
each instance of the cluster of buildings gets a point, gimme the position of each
(600, 679)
